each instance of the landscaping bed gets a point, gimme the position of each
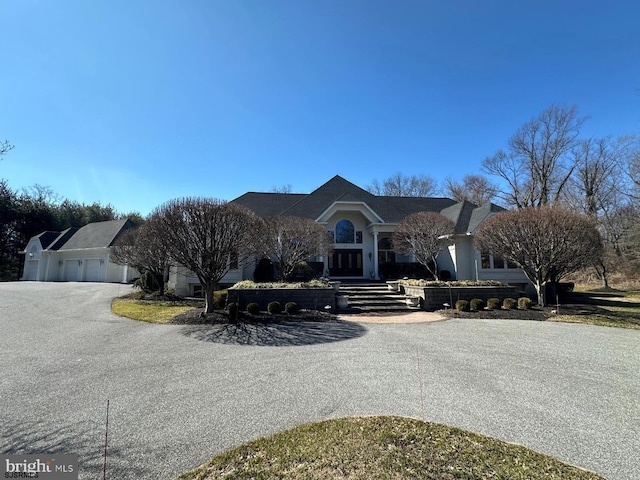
(538, 314)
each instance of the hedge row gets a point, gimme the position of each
(523, 303)
(253, 308)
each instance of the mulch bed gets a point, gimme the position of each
(516, 314)
(198, 317)
(535, 313)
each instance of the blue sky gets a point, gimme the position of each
(133, 102)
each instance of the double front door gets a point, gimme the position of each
(345, 263)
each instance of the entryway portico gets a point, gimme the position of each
(355, 229)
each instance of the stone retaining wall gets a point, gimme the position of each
(307, 298)
(433, 298)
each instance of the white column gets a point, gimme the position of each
(375, 256)
(125, 273)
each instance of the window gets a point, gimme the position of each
(345, 232)
(488, 261)
(385, 251)
(485, 260)
(359, 236)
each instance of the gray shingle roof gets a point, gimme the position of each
(47, 238)
(62, 238)
(95, 235)
(460, 214)
(268, 204)
(481, 213)
(465, 215)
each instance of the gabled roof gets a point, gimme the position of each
(336, 189)
(465, 215)
(96, 235)
(481, 213)
(47, 238)
(62, 238)
(312, 205)
(460, 214)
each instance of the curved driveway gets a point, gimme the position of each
(181, 394)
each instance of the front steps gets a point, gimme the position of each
(373, 297)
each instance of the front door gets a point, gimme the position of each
(345, 263)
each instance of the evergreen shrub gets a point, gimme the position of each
(462, 306)
(274, 307)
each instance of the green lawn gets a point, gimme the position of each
(605, 308)
(383, 447)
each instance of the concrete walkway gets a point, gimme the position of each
(180, 394)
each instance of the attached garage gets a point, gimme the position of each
(71, 270)
(77, 254)
(93, 270)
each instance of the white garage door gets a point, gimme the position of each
(31, 272)
(71, 269)
(92, 271)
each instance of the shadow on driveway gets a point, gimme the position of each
(276, 334)
(75, 438)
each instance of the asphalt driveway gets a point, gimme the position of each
(180, 394)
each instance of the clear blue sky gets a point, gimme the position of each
(134, 102)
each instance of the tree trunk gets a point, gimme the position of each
(540, 290)
(209, 304)
(601, 270)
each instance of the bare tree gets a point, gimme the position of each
(423, 235)
(143, 249)
(476, 189)
(537, 163)
(598, 188)
(208, 237)
(546, 243)
(593, 181)
(5, 147)
(629, 162)
(282, 189)
(399, 185)
(290, 240)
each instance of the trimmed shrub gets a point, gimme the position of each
(462, 306)
(232, 308)
(291, 308)
(493, 304)
(253, 308)
(219, 299)
(274, 307)
(303, 272)
(509, 303)
(525, 303)
(476, 304)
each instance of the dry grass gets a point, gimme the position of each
(383, 447)
(608, 308)
(152, 311)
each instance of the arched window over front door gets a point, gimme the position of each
(345, 232)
